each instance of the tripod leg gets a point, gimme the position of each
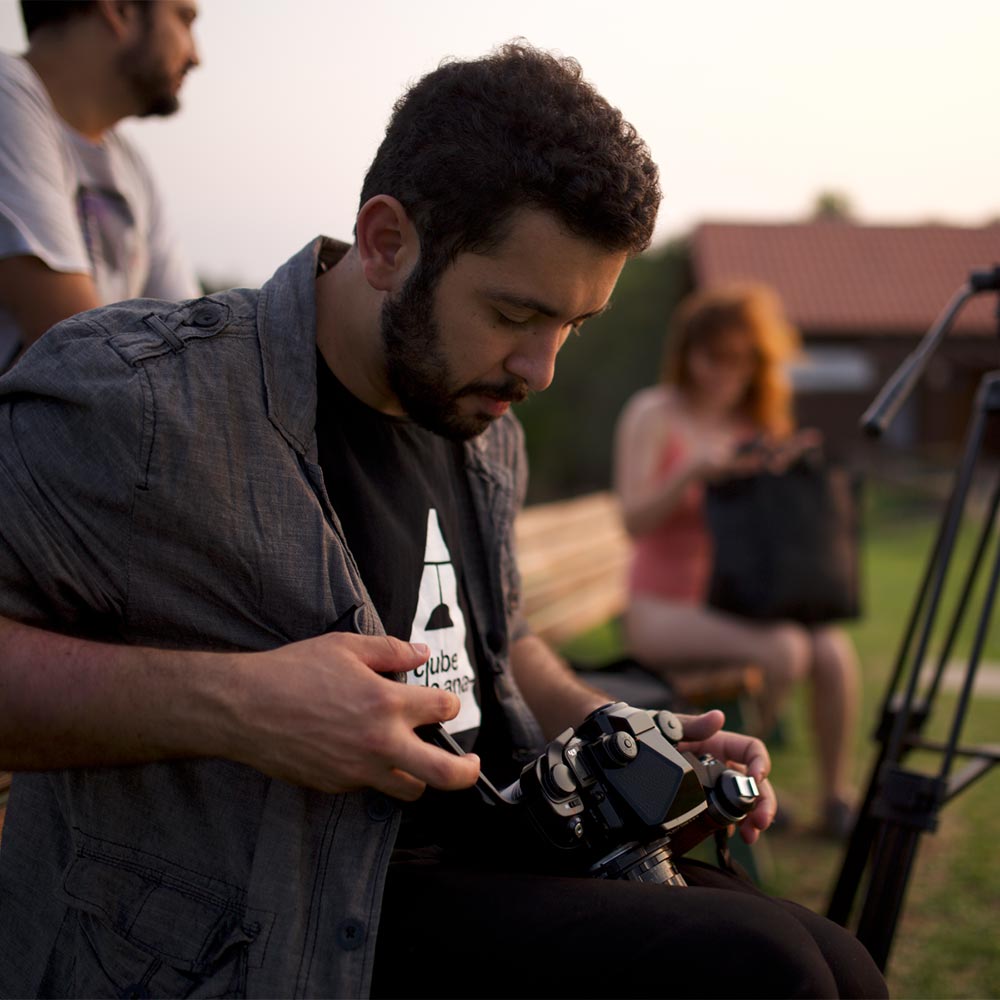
(891, 864)
(866, 828)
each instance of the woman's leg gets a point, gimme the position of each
(835, 695)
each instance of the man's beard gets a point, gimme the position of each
(151, 85)
(418, 371)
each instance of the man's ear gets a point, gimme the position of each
(387, 243)
(121, 16)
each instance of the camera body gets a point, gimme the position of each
(617, 791)
(617, 797)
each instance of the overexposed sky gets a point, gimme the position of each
(750, 108)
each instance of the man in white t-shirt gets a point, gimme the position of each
(81, 222)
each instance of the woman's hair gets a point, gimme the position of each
(756, 310)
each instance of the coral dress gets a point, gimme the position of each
(674, 560)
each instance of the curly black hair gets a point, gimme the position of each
(473, 141)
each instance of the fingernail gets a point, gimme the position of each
(421, 649)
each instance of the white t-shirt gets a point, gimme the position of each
(80, 207)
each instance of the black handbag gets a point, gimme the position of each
(787, 545)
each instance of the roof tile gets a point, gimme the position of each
(839, 277)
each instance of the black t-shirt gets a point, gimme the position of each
(399, 491)
(402, 495)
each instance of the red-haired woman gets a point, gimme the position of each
(723, 386)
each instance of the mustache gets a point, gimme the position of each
(512, 391)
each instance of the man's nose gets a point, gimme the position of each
(534, 358)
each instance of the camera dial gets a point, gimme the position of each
(619, 748)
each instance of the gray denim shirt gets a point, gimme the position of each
(159, 485)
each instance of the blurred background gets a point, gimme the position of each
(767, 117)
(751, 110)
(848, 154)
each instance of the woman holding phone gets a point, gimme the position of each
(723, 407)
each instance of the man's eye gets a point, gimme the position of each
(509, 320)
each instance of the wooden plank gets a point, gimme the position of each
(573, 556)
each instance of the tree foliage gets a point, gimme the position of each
(833, 206)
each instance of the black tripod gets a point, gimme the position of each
(902, 804)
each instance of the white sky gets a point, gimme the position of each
(750, 107)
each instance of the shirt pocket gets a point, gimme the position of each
(139, 926)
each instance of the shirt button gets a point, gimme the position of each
(251, 930)
(378, 807)
(350, 934)
(204, 315)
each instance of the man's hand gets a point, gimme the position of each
(319, 713)
(704, 734)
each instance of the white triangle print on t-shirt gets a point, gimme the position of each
(440, 624)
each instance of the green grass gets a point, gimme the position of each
(946, 944)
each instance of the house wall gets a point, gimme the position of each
(934, 421)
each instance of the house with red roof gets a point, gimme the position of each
(862, 298)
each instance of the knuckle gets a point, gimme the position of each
(380, 742)
(451, 773)
(383, 700)
(448, 704)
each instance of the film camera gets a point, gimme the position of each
(618, 794)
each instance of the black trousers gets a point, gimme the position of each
(462, 929)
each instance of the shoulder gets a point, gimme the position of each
(23, 98)
(71, 382)
(652, 405)
(127, 334)
(18, 79)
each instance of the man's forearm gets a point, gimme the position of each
(66, 702)
(321, 712)
(552, 690)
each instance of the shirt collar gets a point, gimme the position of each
(286, 330)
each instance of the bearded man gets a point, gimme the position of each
(263, 539)
(81, 221)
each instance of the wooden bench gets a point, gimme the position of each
(574, 556)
